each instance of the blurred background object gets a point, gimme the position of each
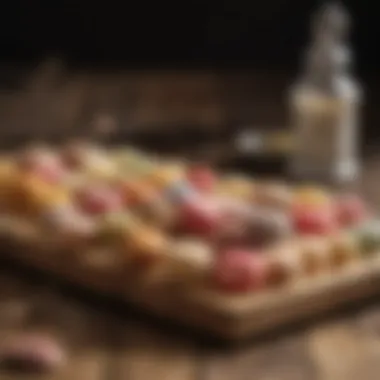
(326, 102)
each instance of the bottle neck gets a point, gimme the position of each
(327, 68)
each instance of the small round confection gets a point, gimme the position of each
(344, 249)
(314, 255)
(141, 165)
(268, 226)
(351, 210)
(190, 259)
(118, 220)
(202, 178)
(147, 245)
(241, 223)
(368, 237)
(279, 272)
(42, 163)
(274, 195)
(32, 352)
(54, 173)
(311, 196)
(114, 228)
(90, 158)
(68, 227)
(158, 212)
(7, 168)
(9, 178)
(233, 226)
(126, 155)
(239, 271)
(99, 199)
(235, 186)
(232, 206)
(314, 220)
(199, 216)
(179, 192)
(284, 264)
(165, 175)
(66, 218)
(137, 192)
(75, 154)
(32, 155)
(35, 195)
(101, 168)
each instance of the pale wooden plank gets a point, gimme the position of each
(342, 352)
(15, 309)
(88, 356)
(368, 320)
(143, 353)
(88, 365)
(82, 332)
(21, 376)
(15, 305)
(282, 359)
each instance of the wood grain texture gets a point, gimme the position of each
(141, 351)
(341, 351)
(286, 358)
(102, 345)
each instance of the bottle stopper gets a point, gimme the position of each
(328, 58)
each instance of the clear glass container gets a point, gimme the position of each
(326, 136)
(325, 105)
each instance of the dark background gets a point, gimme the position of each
(264, 40)
(266, 33)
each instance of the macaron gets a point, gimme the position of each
(273, 195)
(351, 210)
(368, 236)
(202, 178)
(309, 196)
(314, 255)
(200, 217)
(344, 249)
(35, 195)
(311, 220)
(146, 245)
(98, 199)
(239, 271)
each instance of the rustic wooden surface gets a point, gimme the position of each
(111, 345)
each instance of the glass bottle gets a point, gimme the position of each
(325, 104)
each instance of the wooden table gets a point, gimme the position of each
(106, 344)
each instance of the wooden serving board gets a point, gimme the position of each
(228, 317)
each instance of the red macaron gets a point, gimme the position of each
(239, 271)
(351, 210)
(202, 178)
(315, 220)
(99, 199)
